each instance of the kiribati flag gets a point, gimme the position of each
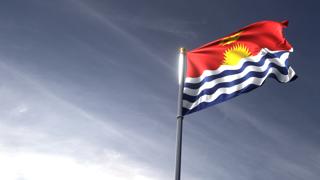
(236, 64)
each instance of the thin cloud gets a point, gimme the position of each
(130, 38)
(58, 128)
(38, 166)
(176, 27)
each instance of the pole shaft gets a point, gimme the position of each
(182, 70)
(179, 147)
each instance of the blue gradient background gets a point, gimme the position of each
(96, 82)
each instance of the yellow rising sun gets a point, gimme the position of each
(233, 55)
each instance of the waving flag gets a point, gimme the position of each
(236, 64)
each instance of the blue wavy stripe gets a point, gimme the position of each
(250, 74)
(237, 71)
(225, 97)
(220, 99)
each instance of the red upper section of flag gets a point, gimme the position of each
(264, 34)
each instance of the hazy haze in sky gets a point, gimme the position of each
(88, 90)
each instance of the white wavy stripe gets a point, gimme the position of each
(207, 85)
(230, 90)
(255, 58)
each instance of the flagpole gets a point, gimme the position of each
(182, 70)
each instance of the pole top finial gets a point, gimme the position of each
(183, 50)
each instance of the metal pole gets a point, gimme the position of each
(182, 70)
(179, 144)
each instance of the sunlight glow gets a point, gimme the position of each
(38, 166)
(181, 66)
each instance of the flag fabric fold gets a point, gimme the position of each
(236, 64)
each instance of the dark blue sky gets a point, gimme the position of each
(88, 90)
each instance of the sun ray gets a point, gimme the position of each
(234, 54)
